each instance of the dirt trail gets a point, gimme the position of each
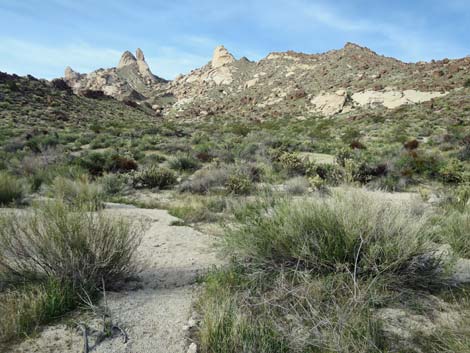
(155, 314)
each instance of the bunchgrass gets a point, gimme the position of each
(12, 189)
(55, 254)
(307, 275)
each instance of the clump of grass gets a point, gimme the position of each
(23, 311)
(455, 230)
(79, 192)
(184, 163)
(114, 184)
(354, 231)
(297, 186)
(56, 254)
(195, 209)
(206, 179)
(11, 189)
(306, 275)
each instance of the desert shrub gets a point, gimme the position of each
(113, 184)
(297, 186)
(253, 171)
(308, 275)
(364, 172)
(154, 177)
(206, 179)
(293, 163)
(94, 162)
(467, 83)
(192, 213)
(389, 183)
(344, 154)
(46, 176)
(120, 164)
(80, 192)
(411, 145)
(452, 172)
(154, 158)
(34, 305)
(12, 189)
(357, 145)
(317, 183)
(330, 173)
(239, 184)
(53, 255)
(454, 231)
(326, 234)
(419, 162)
(184, 163)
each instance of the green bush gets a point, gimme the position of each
(184, 163)
(11, 189)
(239, 184)
(206, 179)
(56, 254)
(154, 177)
(113, 184)
(354, 231)
(293, 163)
(419, 162)
(452, 172)
(80, 192)
(297, 186)
(455, 230)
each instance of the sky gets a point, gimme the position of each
(42, 37)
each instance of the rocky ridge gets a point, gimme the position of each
(282, 84)
(130, 80)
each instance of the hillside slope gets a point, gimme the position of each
(290, 84)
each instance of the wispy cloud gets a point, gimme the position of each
(42, 37)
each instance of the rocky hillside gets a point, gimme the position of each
(282, 84)
(130, 80)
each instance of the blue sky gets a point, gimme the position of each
(41, 37)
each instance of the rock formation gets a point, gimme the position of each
(126, 59)
(130, 80)
(221, 57)
(282, 84)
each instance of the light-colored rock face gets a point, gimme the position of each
(220, 76)
(126, 59)
(70, 75)
(329, 104)
(393, 99)
(139, 54)
(221, 57)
